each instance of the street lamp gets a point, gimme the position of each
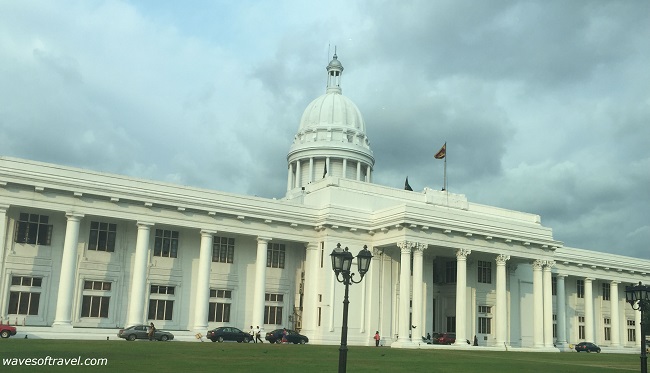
(341, 263)
(639, 298)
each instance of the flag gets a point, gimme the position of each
(325, 170)
(441, 153)
(406, 185)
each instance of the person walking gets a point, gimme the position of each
(151, 331)
(377, 338)
(252, 333)
(258, 335)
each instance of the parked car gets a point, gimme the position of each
(587, 346)
(7, 331)
(446, 339)
(227, 333)
(141, 332)
(293, 336)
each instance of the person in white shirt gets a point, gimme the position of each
(258, 335)
(252, 333)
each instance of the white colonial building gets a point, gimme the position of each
(84, 249)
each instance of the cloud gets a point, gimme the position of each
(543, 104)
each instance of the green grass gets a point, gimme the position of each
(145, 356)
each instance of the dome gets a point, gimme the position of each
(332, 110)
(331, 137)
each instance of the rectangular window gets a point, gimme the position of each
(23, 303)
(554, 326)
(607, 332)
(484, 325)
(95, 306)
(161, 289)
(318, 314)
(554, 286)
(484, 309)
(484, 272)
(275, 255)
(322, 253)
(273, 315)
(581, 327)
(606, 289)
(273, 308)
(451, 268)
(166, 243)
(631, 331)
(24, 295)
(219, 307)
(580, 288)
(161, 309)
(223, 250)
(33, 229)
(102, 236)
(96, 299)
(451, 324)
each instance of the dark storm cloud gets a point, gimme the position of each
(543, 104)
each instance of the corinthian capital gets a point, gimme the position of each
(538, 264)
(462, 253)
(502, 259)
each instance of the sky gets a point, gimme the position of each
(544, 105)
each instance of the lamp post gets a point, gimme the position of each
(341, 263)
(639, 298)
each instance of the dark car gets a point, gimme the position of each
(227, 333)
(141, 332)
(446, 339)
(7, 330)
(587, 346)
(292, 337)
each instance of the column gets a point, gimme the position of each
(548, 303)
(289, 177)
(368, 170)
(202, 303)
(501, 306)
(298, 174)
(416, 318)
(461, 296)
(404, 291)
(327, 166)
(538, 305)
(3, 248)
(345, 167)
(63, 316)
(311, 170)
(358, 171)
(589, 311)
(561, 311)
(139, 275)
(615, 323)
(310, 304)
(260, 281)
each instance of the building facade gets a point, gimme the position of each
(84, 249)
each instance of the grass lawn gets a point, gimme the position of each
(145, 356)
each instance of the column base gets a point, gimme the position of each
(62, 324)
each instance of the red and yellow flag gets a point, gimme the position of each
(442, 152)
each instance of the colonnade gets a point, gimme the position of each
(294, 179)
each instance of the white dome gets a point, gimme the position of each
(332, 110)
(331, 138)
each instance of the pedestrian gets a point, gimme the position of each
(475, 341)
(258, 335)
(151, 331)
(377, 338)
(252, 333)
(284, 335)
